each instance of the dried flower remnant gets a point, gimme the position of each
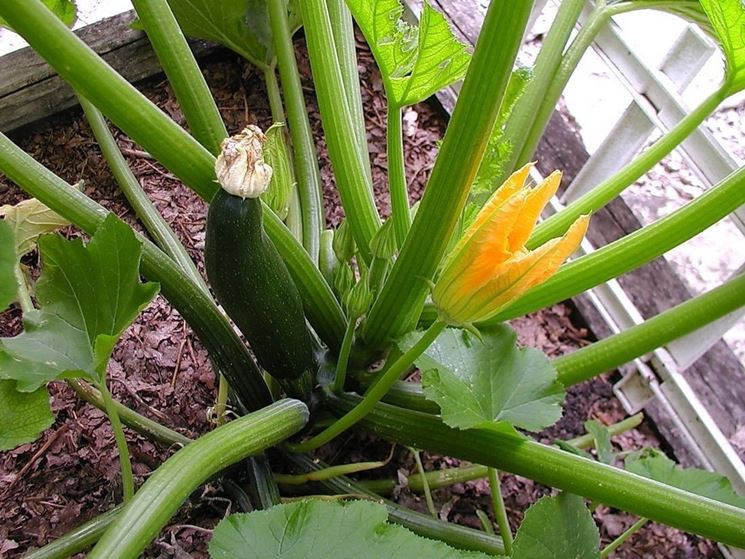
(240, 167)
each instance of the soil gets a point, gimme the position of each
(71, 474)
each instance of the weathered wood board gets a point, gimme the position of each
(30, 90)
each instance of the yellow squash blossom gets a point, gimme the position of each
(490, 266)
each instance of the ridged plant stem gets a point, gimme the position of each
(399, 192)
(557, 468)
(305, 157)
(183, 73)
(400, 302)
(655, 332)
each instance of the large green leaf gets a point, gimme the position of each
(415, 62)
(240, 25)
(29, 220)
(314, 529)
(558, 527)
(653, 464)
(8, 262)
(489, 383)
(88, 296)
(66, 10)
(728, 20)
(23, 415)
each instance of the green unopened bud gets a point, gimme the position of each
(327, 261)
(383, 243)
(277, 154)
(344, 246)
(358, 299)
(240, 167)
(344, 280)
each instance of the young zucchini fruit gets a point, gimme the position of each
(245, 270)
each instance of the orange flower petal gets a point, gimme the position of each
(536, 201)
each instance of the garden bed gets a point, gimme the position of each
(159, 368)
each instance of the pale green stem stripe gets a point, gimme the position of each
(183, 73)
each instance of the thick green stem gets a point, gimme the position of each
(162, 494)
(667, 326)
(554, 467)
(343, 361)
(146, 427)
(77, 539)
(342, 27)
(561, 76)
(400, 302)
(523, 114)
(223, 344)
(183, 73)
(450, 476)
(620, 540)
(374, 394)
(347, 159)
(606, 191)
(156, 226)
(304, 149)
(500, 513)
(128, 109)
(274, 95)
(121, 441)
(634, 250)
(397, 188)
(422, 524)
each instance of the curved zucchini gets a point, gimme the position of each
(253, 285)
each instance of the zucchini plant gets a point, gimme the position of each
(335, 319)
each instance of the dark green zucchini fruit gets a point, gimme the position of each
(253, 285)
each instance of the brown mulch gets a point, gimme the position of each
(71, 474)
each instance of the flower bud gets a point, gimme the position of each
(279, 193)
(358, 299)
(344, 246)
(240, 167)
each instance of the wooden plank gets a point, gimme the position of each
(30, 90)
(653, 288)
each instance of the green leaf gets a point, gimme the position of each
(653, 464)
(491, 383)
(66, 10)
(558, 527)
(415, 62)
(728, 20)
(29, 220)
(8, 261)
(498, 150)
(23, 415)
(603, 445)
(240, 25)
(88, 296)
(315, 529)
